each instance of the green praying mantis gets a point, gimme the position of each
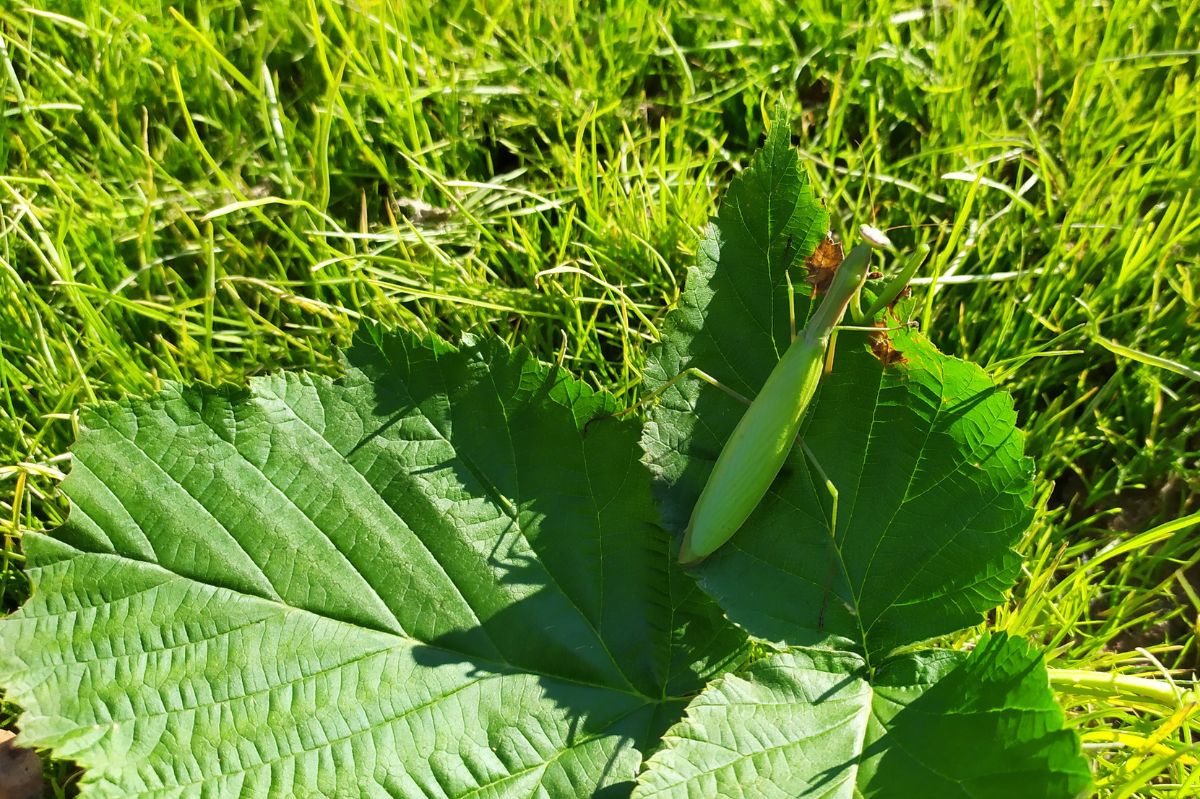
(755, 452)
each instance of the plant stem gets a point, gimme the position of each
(1100, 683)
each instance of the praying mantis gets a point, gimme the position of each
(756, 450)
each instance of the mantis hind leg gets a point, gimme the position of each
(833, 495)
(829, 486)
(691, 371)
(791, 306)
(714, 382)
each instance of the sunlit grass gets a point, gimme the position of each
(200, 195)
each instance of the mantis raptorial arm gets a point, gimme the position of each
(891, 290)
(864, 320)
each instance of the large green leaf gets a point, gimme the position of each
(933, 487)
(814, 724)
(432, 577)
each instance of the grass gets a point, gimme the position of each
(209, 193)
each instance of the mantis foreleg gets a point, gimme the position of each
(891, 290)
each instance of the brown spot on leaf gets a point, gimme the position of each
(823, 263)
(882, 348)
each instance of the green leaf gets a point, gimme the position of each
(440, 575)
(933, 486)
(817, 724)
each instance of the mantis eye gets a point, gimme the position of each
(876, 237)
